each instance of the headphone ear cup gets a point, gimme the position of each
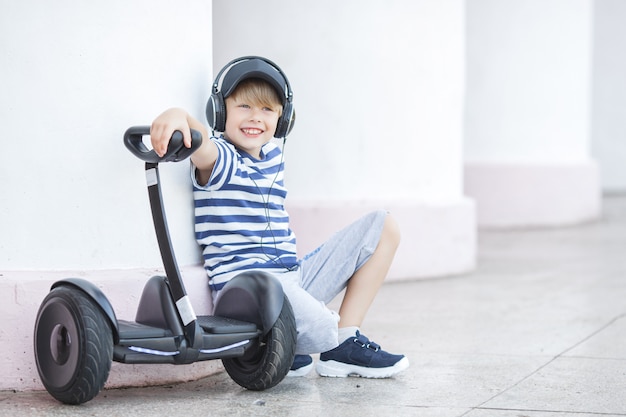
(216, 112)
(286, 121)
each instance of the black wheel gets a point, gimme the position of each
(267, 362)
(73, 345)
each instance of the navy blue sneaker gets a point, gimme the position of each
(302, 365)
(358, 356)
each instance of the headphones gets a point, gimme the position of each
(243, 68)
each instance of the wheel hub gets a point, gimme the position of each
(60, 344)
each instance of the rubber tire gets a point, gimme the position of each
(73, 345)
(268, 361)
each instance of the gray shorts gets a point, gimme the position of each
(322, 275)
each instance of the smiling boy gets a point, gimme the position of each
(242, 224)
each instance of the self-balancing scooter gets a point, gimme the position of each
(77, 334)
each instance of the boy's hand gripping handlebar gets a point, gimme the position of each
(176, 150)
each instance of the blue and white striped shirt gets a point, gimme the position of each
(240, 219)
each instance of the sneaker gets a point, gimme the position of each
(302, 365)
(358, 356)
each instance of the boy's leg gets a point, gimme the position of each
(315, 323)
(366, 281)
(357, 258)
(325, 272)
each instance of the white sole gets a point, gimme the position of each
(336, 369)
(300, 371)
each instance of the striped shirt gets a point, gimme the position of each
(240, 219)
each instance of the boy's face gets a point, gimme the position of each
(249, 125)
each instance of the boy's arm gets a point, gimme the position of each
(178, 119)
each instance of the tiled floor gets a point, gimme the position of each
(538, 330)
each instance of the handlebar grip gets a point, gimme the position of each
(176, 150)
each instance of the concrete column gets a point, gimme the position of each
(74, 76)
(528, 112)
(609, 93)
(378, 89)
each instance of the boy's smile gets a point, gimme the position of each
(252, 131)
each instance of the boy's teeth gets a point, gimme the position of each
(252, 131)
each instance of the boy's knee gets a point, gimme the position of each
(391, 231)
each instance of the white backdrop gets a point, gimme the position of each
(74, 76)
(529, 81)
(378, 91)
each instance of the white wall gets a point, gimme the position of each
(528, 80)
(378, 91)
(74, 76)
(528, 113)
(609, 93)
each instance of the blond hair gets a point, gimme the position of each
(258, 92)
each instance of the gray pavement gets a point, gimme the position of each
(539, 329)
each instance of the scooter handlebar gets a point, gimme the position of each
(176, 150)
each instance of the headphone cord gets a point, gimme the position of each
(276, 258)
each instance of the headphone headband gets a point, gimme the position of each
(288, 94)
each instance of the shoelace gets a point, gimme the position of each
(365, 342)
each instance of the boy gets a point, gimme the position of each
(241, 222)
